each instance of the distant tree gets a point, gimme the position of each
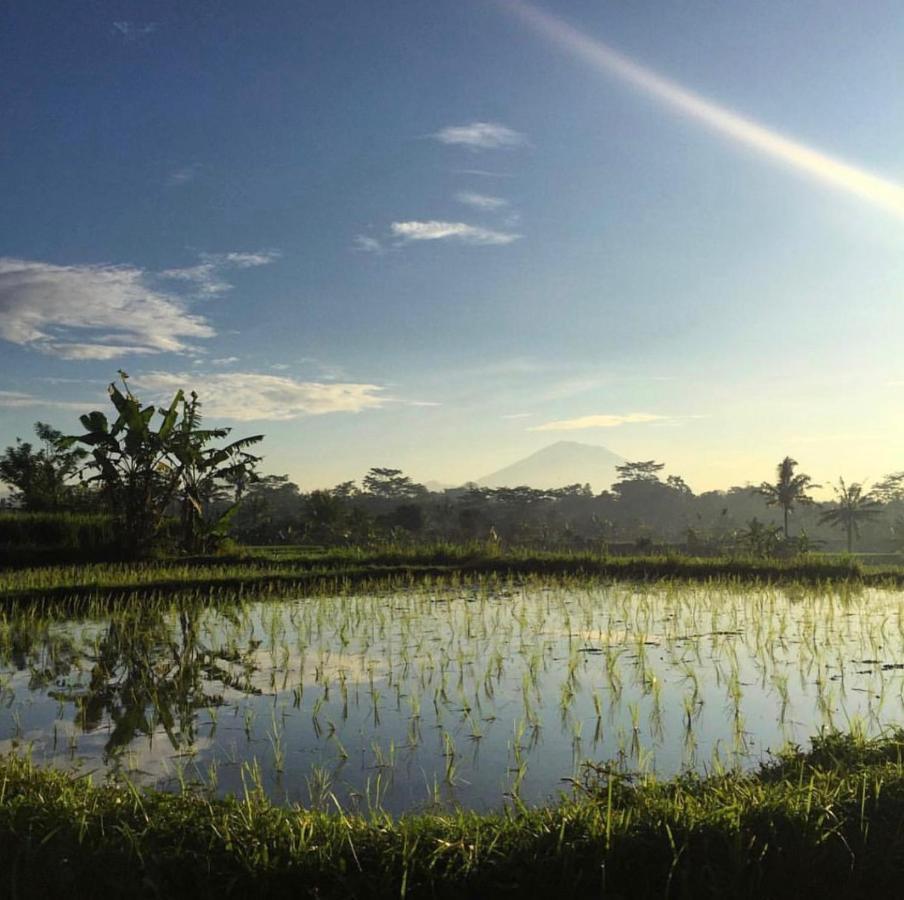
(391, 484)
(41, 477)
(325, 515)
(640, 471)
(758, 538)
(409, 516)
(473, 515)
(852, 508)
(572, 490)
(897, 531)
(346, 490)
(677, 483)
(890, 488)
(270, 511)
(604, 529)
(788, 489)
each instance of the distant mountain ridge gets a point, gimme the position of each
(559, 464)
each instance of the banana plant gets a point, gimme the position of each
(203, 469)
(145, 473)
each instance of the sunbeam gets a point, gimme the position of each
(806, 160)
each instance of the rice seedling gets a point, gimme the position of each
(681, 671)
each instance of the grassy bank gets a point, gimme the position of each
(828, 823)
(256, 575)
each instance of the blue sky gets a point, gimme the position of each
(440, 236)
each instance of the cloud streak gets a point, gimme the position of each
(366, 244)
(132, 31)
(484, 202)
(481, 136)
(598, 421)
(254, 396)
(92, 311)
(801, 158)
(184, 175)
(457, 231)
(209, 275)
(102, 312)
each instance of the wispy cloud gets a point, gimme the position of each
(132, 31)
(251, 396)
(598, 421)
(183, 175)
(102, 312)
(242, 260)
(458, 231)
(367, 244)
(92, 311)
(481, 201)
(481, 136)
(517, 415)
(17, 400)
(209, 275)
(483, 173)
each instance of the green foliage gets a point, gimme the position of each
(758, 539)
(279, 573)
(54, 537)
(143, 472)
(821, 824)
(41, 477)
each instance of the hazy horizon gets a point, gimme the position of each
(442, 237)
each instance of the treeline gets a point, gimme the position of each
(641, 512)
(157, 479)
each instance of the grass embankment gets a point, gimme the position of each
(340, 570)
(827, 824)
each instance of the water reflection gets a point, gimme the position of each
(465, 695)
(143, 672)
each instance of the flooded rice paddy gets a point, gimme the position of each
(470, 696)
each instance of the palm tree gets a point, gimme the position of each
(788, 489)
(853, 507)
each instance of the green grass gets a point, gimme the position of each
(828, 823)
(257, 573)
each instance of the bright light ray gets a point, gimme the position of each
(800, 157)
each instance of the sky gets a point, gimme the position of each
(440, 236)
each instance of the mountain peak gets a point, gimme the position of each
(557, 465)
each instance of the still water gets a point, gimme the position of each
(454, 696)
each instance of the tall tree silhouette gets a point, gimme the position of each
(788, 489)
(853, 507)
(142, 471)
